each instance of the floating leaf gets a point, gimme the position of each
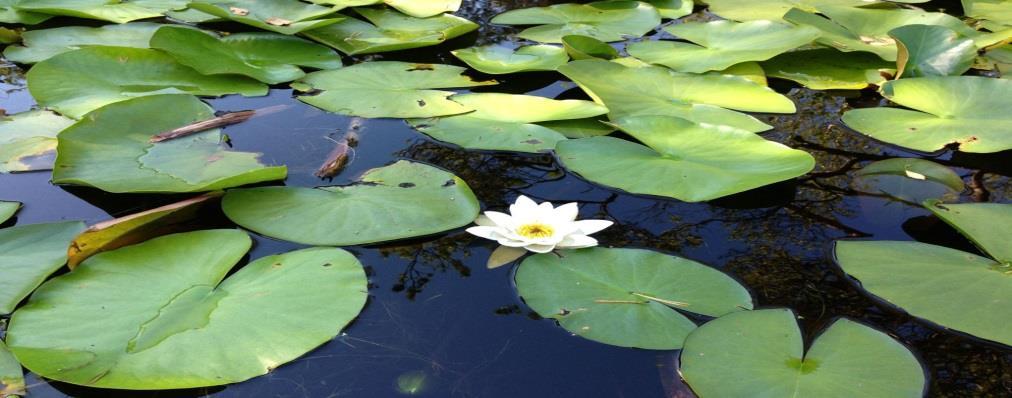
(931, 50)
(414, 8)
(169, 321)
(722, 44)
(10, 13)
(918, 169)
(27, 135)
(746, 352)
(988, 225)
(999, 11)
(283, 16)
(627, 297)
(389, 31)
(29, 254)
(683, 160)
(498, 60)
(112, 11)
(751, 10)
(505, 122)
(672, 9)
(966, 111)
(12, 379)
(580, 128)
(7, 210)
(636, 91)
(388, 89)
(829, 69)
(403, 200)
(138, 227)
(503, 255)
(77, 82)
(603, 20)
(268, 57)
(39, 45)
(111, 150)
(584, 47)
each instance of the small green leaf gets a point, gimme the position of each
(29, 254)
(42, 44)
(282, 16)
(29, 135)
(585, 47)
(7, 210)
(930, 50)
(389, 31)
(829, 69)
(498, 60)
(603, 20)
(988, 225)
(12, 378)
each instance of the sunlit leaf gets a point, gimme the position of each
(12, 379)
(389, 31)
(987, 225)
(829, 69)
(39, 45)
(672, 9)
(584, 47)
(751, 10)
(497, 59)
(7, 210)
(415, 8)
(29, 254)
(283, 16)
(603, 20)
(931, 50)
(112, 11)
(26, 137)
(10, 13)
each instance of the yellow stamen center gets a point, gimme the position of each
(535, 230)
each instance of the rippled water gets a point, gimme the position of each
(439, 324)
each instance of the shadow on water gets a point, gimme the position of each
(441, 323)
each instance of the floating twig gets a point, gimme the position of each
(204, 125)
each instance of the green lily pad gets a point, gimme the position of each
(10, 13)
(967, 111)
(672, 9)
(748, 352)
(282, 16)
(77, 82)
(602, 294)
(403, 200)
(12, 378)
(505, 122)
(110, 150)
(29, 254)
(642, 91)
(829, 69)
(722, 44)
(603, 20)
(931, 50)
(910, 179)
(389, 31)
(268, 57)
(752, 10)
(414, 8)
(39, 45)
(112, 11)
(585, 47)
(388, 89)
(858, 29)
(499, 60)
(168, 320)
(25, 136)
(682, 160)
(7, 210)
(580, 128)
(999, 11)
(988, 225)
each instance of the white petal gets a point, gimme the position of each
(540, 248)
(588, 227)
(512, 243)
(484, 221)
(577, 242)
(500, 219)
(567, 212)
(485, 232)
(524, 207)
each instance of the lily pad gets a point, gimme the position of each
(627, 297)
(29, 254)
(672, 9)
(414, 8)
(282, 16)
(499, 60)
(829, 69)
(10, 13)
(931, 50)
(585, 47)
(77, 82)
(684, 160)
(268, 57)
(722, 44)
(12, 378)
(110, 150)
(389, 31)
(42, 44)
(580, 128)
(952, 288)
(910, 179)
(988, 225)
(751, 10)
(403, 200)
(7, 210)
(642, 91)
(388, 89)
(603, 20)
(743, 353)
(170, 321)
(999, 11)
(112, 11)
(506, 122)
(966, 111)
(26, 136)
(138, 227)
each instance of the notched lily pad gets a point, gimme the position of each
(282, 16)
(389, 30)
(170, 319)
(29, 254)
(42, 44)
(830, 69)
(26, 138)
(739, 354)
(585, 47)
(403, 200)
(931, 50)
(596, 294)
(498, 59)
(603, 20)
(110, 149)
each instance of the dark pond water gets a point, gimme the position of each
(439, 324)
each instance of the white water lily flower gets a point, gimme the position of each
(538, 228)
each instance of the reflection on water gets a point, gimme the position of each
(439, 324)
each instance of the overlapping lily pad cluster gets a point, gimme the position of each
(683, 106)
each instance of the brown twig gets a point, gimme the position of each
(204, 125)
